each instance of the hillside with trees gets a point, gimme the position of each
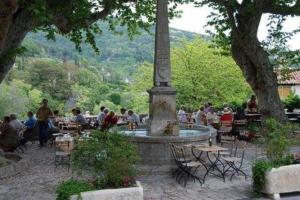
(118, 76)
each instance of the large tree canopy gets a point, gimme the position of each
(236, 25)
(75, 19)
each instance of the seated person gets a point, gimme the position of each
(133, 118)
(225, 105)
(201, 117)
(30, 123)
(8, 136)
(226, 115)
(79, 118)
(56, 118)
(212, 118)
(110, 120)
(240, 114)
(102, 116)
(252, 105)
(15, 123)
(122, 118)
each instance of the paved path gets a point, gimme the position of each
(39, 182)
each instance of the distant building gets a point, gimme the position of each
(289, 85)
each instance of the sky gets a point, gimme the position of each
(194, 20)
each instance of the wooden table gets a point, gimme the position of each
(212, 166)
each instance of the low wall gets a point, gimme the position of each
(132, 193)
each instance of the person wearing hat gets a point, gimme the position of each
(226, 115)
(43, 115)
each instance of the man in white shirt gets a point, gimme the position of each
(15, 123)
(122, 118)
(133, 118)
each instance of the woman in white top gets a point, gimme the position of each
(201, 117)
(182, 115)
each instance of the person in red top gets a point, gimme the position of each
(110, 120)
(252, 105)
(226, 115)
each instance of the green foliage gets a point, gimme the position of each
(109, 157)
(72, 187)
(200, 75)
(253, 127)
(276, 139)
(115, 98)
(259, 170)
(292, 101)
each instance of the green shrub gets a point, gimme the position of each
(259, 170)
(276, 145)
(276, 141)
(292, 101)
(72, 187)
(253, 127)
(115, 98)
(108, 157)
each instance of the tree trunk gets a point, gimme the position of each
(254, 63)
(13, 29)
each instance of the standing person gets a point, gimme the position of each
(43, 115)
(182, 115)
(201, 117)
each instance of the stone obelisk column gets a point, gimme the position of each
(162, 111)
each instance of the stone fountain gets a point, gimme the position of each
(163, 128)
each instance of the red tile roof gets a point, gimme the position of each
(292, 79)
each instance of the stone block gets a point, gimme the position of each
(132, 193)
(284, 179)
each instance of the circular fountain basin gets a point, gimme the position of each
(155, 153)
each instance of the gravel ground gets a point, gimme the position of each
(40, 180)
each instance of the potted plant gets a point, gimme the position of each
(278, 173)
(108, 159)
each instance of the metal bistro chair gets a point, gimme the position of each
(234, 162)
(62, 153)
(185, 168)
(225, 129)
